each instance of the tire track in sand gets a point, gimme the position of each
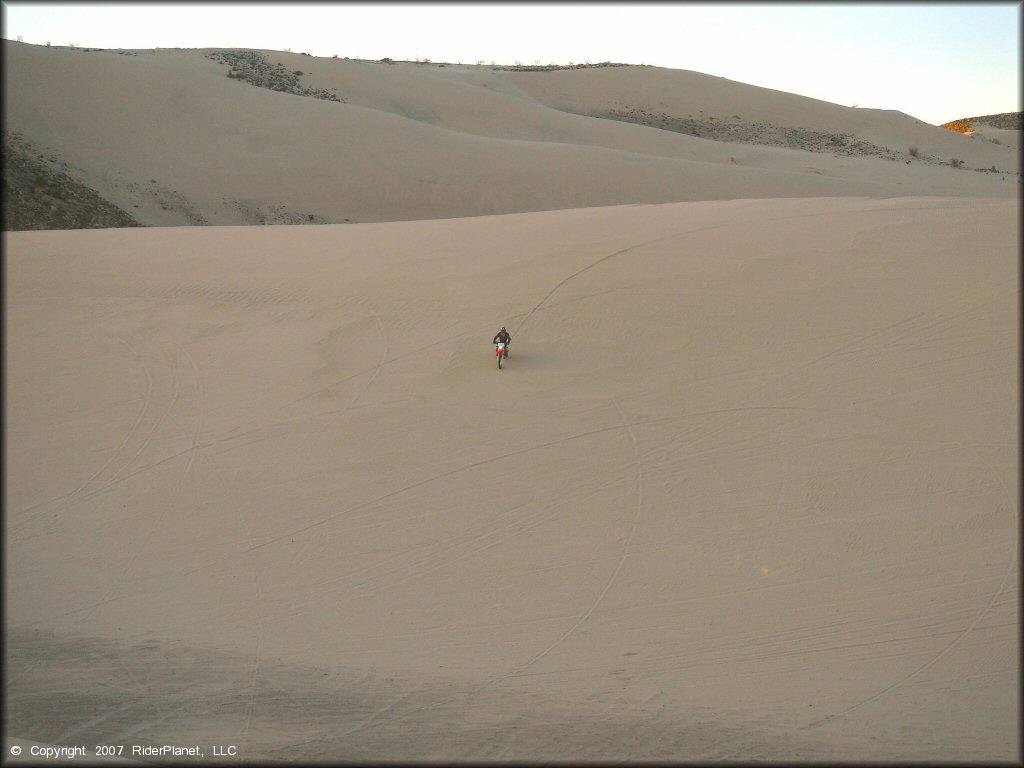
(197, 432)
(373, 376)
(449, 473)
(590, 266)
(956, 640)
(140, 550)
(639, 478)
(147, 402)
(670, 236)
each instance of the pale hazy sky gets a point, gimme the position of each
(937, 62)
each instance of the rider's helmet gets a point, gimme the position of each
(503, 327)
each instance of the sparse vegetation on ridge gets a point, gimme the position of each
(254, 68)
(734, 129)
(495, 67)
(555, 67)
(1009, 121)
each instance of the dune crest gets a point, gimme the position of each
(185, 137)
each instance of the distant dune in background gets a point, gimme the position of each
(747, 488)
(184, 137)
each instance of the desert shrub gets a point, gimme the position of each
(956, 163)
(914, 152)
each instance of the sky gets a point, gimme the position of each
(934, 61)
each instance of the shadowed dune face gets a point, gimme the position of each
(170, 139)
(746, 488)
(314, 714)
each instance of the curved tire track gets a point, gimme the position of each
(956, 640)
(69, 497)
(622, 558)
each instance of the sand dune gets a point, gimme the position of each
(170, 139)
(746, 488)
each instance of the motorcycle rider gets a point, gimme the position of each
(503, 336)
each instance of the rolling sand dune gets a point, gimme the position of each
(747, 488)
(171, 140)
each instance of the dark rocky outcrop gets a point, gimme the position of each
(40, 194)
(254, 68)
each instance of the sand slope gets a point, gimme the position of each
(747, 488)
(170, 139)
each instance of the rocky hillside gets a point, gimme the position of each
(1010, 121)
(39, 194)
(254, 68)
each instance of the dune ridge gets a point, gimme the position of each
(413, 141)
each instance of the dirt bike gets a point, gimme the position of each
(501, 350)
